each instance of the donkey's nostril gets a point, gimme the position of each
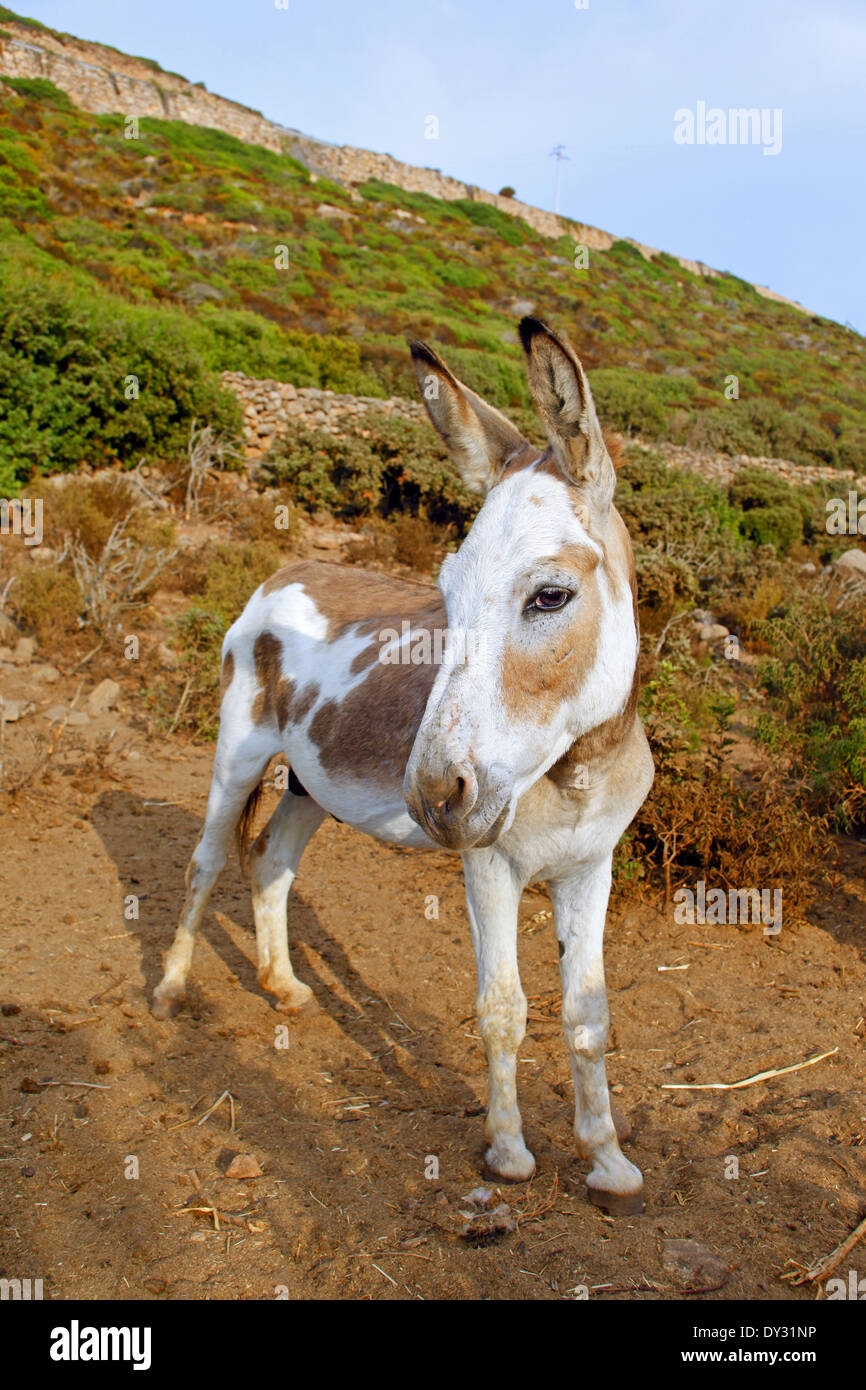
(463, 794)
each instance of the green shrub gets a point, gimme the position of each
(509, 229)
(815, 681)
(67, 360)
(400, 468)
(39, 89)
(635, 402)
(774, 512)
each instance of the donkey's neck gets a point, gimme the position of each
(585, 762)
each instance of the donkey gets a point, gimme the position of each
(523, 751)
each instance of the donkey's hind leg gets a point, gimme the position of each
(238, 769)
(274, 860)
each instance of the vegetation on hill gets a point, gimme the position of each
(158, 258)
(133, 271)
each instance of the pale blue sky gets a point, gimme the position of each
(509, 79)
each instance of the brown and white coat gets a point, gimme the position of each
(521, 749)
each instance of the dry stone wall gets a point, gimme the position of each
(271, 407)
(105, 81)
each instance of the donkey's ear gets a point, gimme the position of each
(477, 437)
(564, 401)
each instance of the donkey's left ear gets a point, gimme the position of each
(477, 437)
(561, 393)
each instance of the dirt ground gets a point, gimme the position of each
(114, 1173)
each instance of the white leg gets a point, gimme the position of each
(237, 771)
(273, 864)
(580, 907)
(493, 896)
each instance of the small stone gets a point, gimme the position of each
(488, 1225)
(694, 1264)
(11, 710)
(103, 697)
(479, 1196)
(244, 1166)
(167, 657)
(76, 719)
(48, 674)
(713, 632)
(849, 562)
(25, 650)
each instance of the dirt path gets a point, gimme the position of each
(342, 1120)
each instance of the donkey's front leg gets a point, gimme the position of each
(580, 907)
(493, 896)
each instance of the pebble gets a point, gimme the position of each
(103, 697)
(76, 718)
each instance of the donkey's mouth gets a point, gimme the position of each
(475, 832)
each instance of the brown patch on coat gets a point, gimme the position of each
(227, 673)
(370, 733)
(546, 463)
(535, 684)
(346, 596)
(428, 619)
(278, 698)
(275, 691)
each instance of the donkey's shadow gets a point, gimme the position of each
(150, 844)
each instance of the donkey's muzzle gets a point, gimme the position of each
(451, 808)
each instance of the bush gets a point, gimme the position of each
(634, 402)
(700, 820)
(815, 681)
(399, 467)
(774, 512)
(66, 363)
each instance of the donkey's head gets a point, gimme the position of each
(542, 621)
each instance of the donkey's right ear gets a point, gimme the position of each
(564, 401)
(476, 436)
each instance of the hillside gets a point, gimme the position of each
(185, 252)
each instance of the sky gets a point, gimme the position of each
(613, 81)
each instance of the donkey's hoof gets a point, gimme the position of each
(511, 1162)
(165, 1004)
(299, 1005)
(616, 1203)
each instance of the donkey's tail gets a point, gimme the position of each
(245, 825)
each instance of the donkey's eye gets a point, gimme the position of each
(547, 600)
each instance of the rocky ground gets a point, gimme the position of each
(230, 1153)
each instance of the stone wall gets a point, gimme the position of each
(105, 81)
(269, 407)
